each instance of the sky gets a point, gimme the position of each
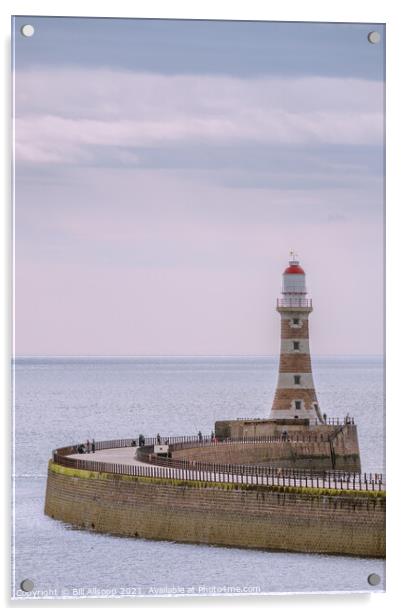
(164, 169)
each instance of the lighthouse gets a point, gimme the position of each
(295, 396)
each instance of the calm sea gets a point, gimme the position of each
(60, 401)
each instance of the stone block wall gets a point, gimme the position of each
(257, 518)
(311, 455)
(296, 363)
(284, 397)
(288, 331)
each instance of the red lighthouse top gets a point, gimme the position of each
(293, 267)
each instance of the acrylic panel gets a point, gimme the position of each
(198, 274)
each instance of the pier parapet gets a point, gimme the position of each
(212, 502)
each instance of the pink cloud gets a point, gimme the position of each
(59, 114)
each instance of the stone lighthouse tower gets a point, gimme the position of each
(295, 396)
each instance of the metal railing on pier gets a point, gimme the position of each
(294, 477)
(168, 468)
(335, 421)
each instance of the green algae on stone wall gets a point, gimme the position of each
(250, 516)
(221, 485)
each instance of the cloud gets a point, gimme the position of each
(65, 116)
(164, 207)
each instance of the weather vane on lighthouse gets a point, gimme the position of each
(293, 255)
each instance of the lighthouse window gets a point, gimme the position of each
(297, 379)
(296, 321)
(298, 405)
(296, 345)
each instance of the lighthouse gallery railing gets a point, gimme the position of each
(294, 302)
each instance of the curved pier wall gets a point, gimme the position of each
(196, 512)
(283, 454)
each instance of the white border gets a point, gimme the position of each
(290, 10)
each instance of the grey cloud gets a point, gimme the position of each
(239, 48)
(54, 126)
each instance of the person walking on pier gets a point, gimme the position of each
(87, 446)
(200, 436)
(93, 445)
(158, 438)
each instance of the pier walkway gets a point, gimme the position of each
(118, 455)
(123, 460)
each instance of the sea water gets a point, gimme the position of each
(60, 401)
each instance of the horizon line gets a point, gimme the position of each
(234, 356)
